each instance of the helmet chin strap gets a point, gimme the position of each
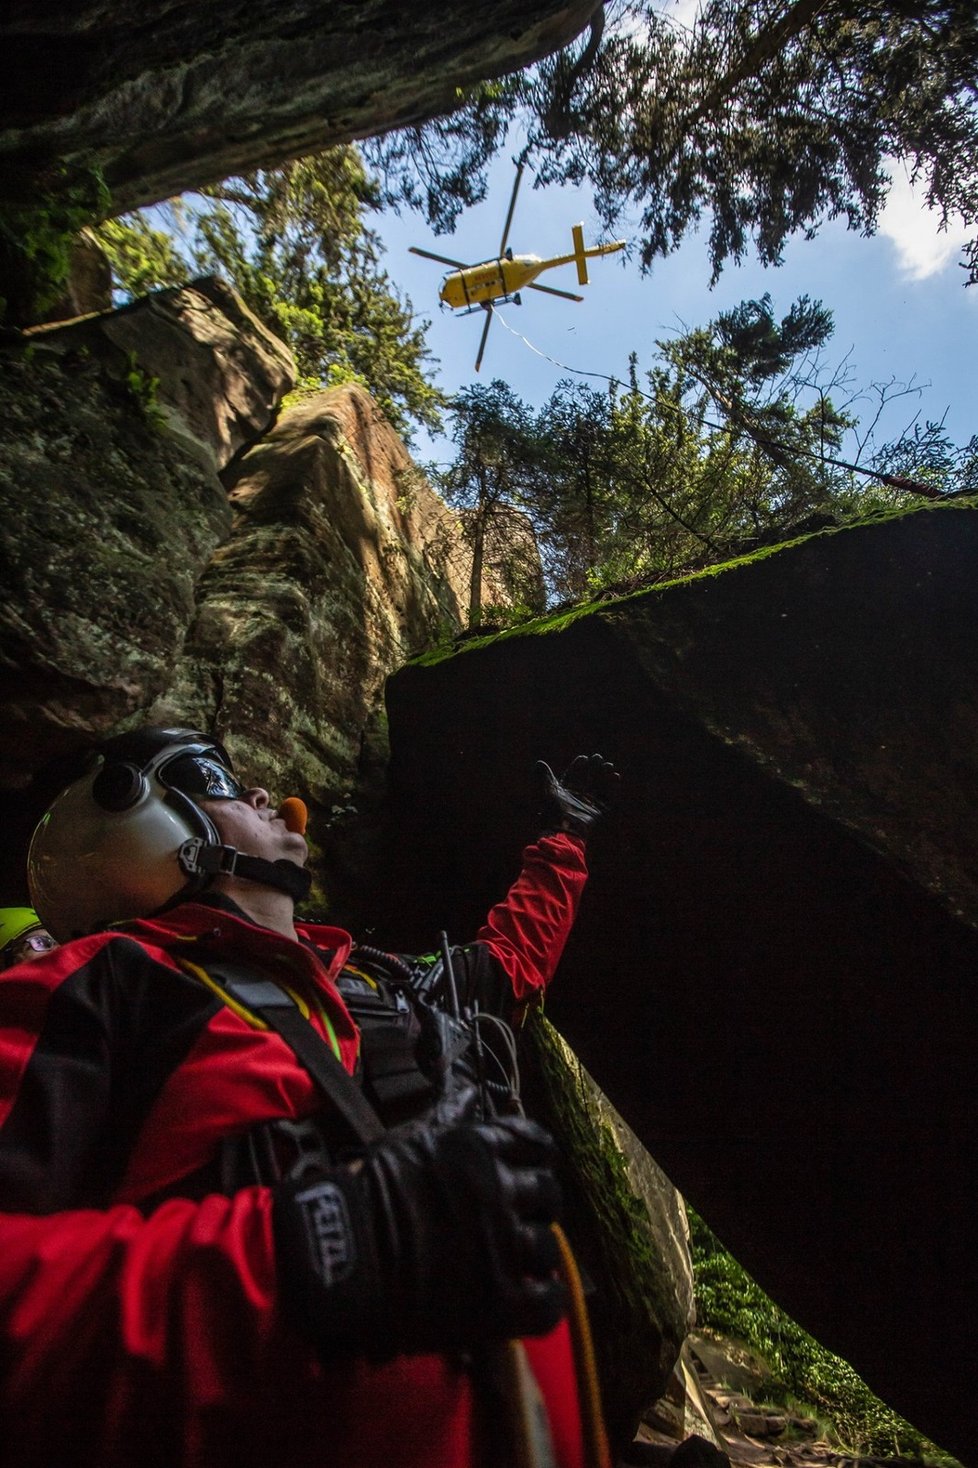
(284, 875)
(200, 858)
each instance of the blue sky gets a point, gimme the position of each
(900, 307)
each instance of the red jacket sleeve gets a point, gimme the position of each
(109, 1318)
(526, 932)
(114, 1318)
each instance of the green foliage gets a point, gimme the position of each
(144, 390)
(928, 455)
(40, 217)
(143, 258)
(440, 167)
(293, 242)
(729, 443)
(761, 116)
(729, 1301)
(488, 483)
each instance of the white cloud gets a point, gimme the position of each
(683, 11)
(923, 248)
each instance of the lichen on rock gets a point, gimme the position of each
(627, 1225)
(106, 525)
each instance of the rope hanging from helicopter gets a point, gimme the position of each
(488, 283)
(893, 481)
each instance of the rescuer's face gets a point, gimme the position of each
(253, 825)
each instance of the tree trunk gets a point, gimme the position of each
(478, 556)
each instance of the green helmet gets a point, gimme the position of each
(15, 922)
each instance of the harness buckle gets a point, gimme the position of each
(200, 858)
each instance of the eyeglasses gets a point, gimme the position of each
(36, 942)
(39, 942)
(201, 777)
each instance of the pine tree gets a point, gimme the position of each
(763, 117)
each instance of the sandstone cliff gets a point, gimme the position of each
(155, 565)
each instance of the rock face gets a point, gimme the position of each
(108, 521)
(139, 586)
(163, 99)
(327, 581)
(627, 1226)
(220, 373)
(772, 976)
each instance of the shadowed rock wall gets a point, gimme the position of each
(165, 98)
(108, 519)
(773, 973)
(627, 1226)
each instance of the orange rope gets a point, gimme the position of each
(596, 1451)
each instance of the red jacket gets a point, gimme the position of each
(152, 1336)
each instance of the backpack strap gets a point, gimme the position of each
(280, 1013)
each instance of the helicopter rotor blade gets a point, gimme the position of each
(550, 290)
(512, 206)
(442, 259)
(482, 342)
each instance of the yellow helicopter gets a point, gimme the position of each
(478, 287)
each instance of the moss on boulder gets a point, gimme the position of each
(627, 1226)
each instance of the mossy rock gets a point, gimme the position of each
(627, 1226)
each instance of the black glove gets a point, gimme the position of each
(581, 796)
(437, 1240)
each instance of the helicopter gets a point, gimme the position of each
(480, 287)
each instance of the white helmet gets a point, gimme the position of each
(127, 838)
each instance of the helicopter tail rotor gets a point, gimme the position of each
(580, 255)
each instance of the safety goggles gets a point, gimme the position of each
(201, 777)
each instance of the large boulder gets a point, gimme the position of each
(772, 976)
(162, 99)
(219, 373)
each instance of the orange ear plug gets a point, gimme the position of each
(294, 813)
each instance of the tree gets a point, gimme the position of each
(731, 441)
(488, 482)
(292, 240)
(768, 116)
(926, 452)
(716, 449)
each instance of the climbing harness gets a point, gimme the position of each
(437, 1061)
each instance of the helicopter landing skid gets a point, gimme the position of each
(514, 300)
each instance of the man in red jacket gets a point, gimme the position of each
(212, 1252)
